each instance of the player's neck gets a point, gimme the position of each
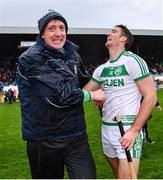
(114, 53)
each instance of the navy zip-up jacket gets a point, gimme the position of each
(50, 97)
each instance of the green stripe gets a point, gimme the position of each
(140, 61)
(142, 64)
(114, 71)
(142, 77)
(115, 124)
(132, 55)
(145, 66)
(95, 80)
(129, 116)
(141, 68)
(117, 57)
(137, 147)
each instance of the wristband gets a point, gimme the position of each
(87, 95)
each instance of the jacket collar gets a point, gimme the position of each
(68, 47)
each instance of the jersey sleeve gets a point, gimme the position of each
(138, 68)
(96, 76)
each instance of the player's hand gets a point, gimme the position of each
(128, 139)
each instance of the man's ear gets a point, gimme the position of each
(42, 36)
(123, 38)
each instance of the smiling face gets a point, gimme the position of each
(115, 37)
(54, 34)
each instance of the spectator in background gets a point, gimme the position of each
(1, 86)
(10, 96)
(5, 97)
(14, 95)
(146, 137)
(48, 77)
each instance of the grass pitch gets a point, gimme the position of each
(14, 163)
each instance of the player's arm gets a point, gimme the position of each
(94, 95)
(94, 87)
(148, 91)
(91, 86)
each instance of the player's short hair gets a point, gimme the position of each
(128, 34)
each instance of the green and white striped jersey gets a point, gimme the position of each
(117, 78)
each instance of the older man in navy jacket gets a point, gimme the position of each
(48, 75)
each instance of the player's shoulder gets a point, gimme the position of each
(129, 54)
(132, 57)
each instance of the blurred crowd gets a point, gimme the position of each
(7, 80)
(8, 72)
(90, 68)
(155, 65)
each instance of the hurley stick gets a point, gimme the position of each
(129, 159)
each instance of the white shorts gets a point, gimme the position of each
(113, 148)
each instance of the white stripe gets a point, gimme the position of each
(21, 74)
(55, 104)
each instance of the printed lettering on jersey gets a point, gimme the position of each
(112, 82)
(114, 71)
(113, 76)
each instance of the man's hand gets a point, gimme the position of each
(98, 96)
(99, 104)
(129, 138)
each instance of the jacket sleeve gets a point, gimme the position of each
(53, 81)
(83, 76)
